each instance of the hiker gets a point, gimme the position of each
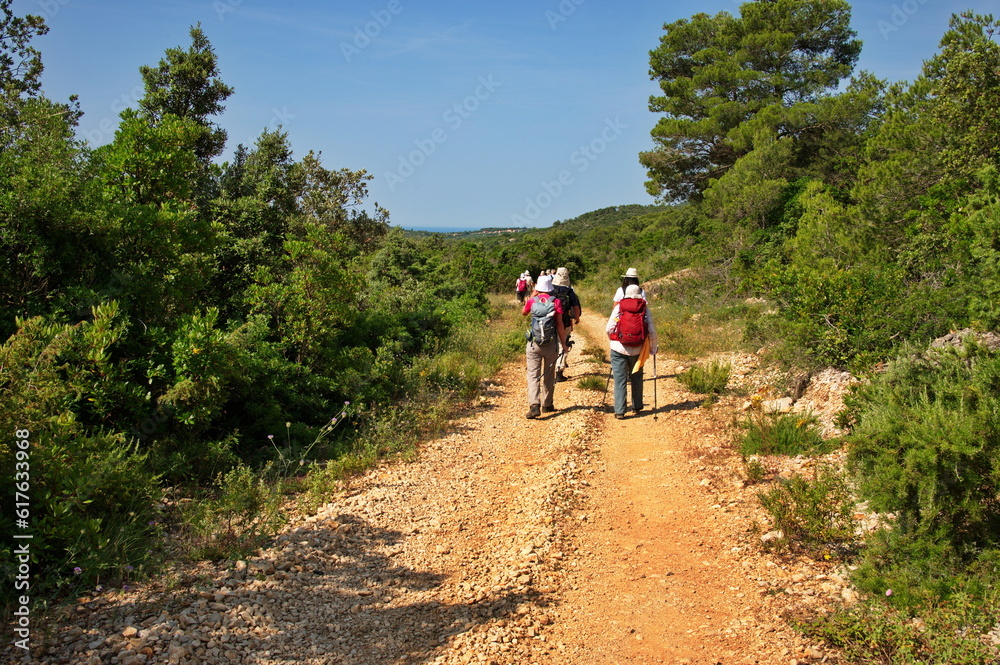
(562, 290)
(546, 336)
(521, 286)
(630, 277)
(630, 329)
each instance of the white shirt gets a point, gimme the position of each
(620, 293)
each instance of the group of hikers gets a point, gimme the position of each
(554, 308)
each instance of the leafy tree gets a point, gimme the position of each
(162, 246)
(728, 80)
(967, 91)
(185, 84)
(20, 63)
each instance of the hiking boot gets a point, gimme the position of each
(534, 411)
(620, 416)
(560, 376)
(548, 408)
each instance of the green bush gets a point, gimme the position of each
(874, 632)
(926, 445)
(706, 379)
(816, 515)
(236, 518)
(782, 434)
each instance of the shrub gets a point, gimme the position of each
(814, 515)
(926, 445)
(591, 382)
(242, 512)
(874, 632)
(782, 434)
(706, 379)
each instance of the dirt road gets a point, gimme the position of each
(572, 539)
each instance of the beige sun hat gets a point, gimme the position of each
(631, 272)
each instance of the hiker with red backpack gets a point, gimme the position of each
(630, 277)
(630, 329)
(521, 286)
(545, 337)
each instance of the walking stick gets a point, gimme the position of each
(655, 415)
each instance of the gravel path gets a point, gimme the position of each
(571, 539)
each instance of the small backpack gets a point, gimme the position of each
(543, 322)
(631, 328)
(562, 293)
(522, 285)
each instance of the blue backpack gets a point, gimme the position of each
(542, 330)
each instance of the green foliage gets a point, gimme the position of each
(875, 632)
(185, 85)
(848, 317)
(815, 516)
(236, 518)
(592, 382)
(93, 492)
(926, 445)
(781, 434)
(707, 378)
(20, 63)
(728, 80)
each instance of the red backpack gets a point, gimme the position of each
(631, 328)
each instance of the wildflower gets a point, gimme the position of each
(126, 587)
(347, 403)
(888, 592)
(129, 568)
(99, 588)
(271, 437)
(77, 570)
(287, 425)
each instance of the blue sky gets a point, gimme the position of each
(466, 114)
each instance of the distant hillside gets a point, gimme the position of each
(609, 216)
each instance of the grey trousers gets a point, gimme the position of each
(621, 369)
(541, 372)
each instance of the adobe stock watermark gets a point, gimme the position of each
(223, 7)
(581, 158)
(51, 7)
(22, 550)
(108, 125)
(454, 117)
(565, 9)
(899, 16)
(279, 119)
(363, 35)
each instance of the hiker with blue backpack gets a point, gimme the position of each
(633, 337)
(545, 337)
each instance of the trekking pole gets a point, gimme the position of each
(655, 415)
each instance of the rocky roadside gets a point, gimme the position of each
(496, 546)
